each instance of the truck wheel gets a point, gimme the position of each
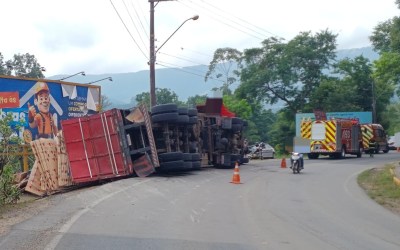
(377, 150)
(192, 112)
(360, 151)
(171, 156)
(183, 119)
(343, 153)
(164, 108)
(313, 155)
(165, 117)
(386, 149)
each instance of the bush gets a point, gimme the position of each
(9, 192)
(9, 161)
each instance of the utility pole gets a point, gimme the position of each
(153, 52)
(152, 62)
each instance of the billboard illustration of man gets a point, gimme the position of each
(42, 120)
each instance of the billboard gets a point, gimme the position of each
(38, 105)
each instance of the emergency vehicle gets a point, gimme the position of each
(333, 137)
(373, 132)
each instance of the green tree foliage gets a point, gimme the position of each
(381, 36)
(392, 116)
(287, 72)
(163, 96)
(225, 67)
(282, 130)
(195, 100)
(9, 162)
(105, 103)
(24, 65)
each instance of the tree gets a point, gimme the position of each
(195, 100)
(25, 65)
(105, 103)
(163, 96)
(289, 72)
(225, 66)
(381, 36)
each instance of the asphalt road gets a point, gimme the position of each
(321, 208)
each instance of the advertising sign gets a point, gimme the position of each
(38, 105)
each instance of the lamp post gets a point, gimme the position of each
(109, 78)
(79, 73)
(153, 52)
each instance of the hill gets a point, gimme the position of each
(185, 82)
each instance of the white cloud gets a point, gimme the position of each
(70, 36)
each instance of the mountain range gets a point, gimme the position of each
(185, 82)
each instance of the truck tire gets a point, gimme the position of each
(165, 117)
(172, 165)
(183, 119)
(164, 108)
(183, 111)
(192, 112)
(313, 155)
(342, 152)
(360, 151)
(171, 156)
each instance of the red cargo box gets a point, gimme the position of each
(97, 147)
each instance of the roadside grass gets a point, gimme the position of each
(379, 186)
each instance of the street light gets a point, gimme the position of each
(79, 73)
(192, 18)
(153, 53)
(109, 78)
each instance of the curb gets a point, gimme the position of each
(396, 180)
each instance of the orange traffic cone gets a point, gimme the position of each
(236, 175)
(283, 163)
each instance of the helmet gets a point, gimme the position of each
(41, 86)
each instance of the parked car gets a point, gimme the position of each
(261, 150)
(391, 143)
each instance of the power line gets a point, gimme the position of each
(130, 16)
(140, 20)
(128, 30)
(227, 24)
(181, 58)
(245, 21)
(179, 68)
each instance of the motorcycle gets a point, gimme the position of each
(297, 162)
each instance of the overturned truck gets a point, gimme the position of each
(168, 138)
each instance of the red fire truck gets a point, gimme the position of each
(333, 137)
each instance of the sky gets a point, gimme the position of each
(112, 36)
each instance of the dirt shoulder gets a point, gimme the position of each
(379, 185)
(27, 207)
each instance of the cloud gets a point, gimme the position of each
(61, 36)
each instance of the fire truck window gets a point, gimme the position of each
(318, 131)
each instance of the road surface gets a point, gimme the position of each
(321, 208)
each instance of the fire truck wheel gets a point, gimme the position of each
(165, 117)
(386, 150)
(360, 151)
(343, 153)
(313, 155)
(164, 108)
